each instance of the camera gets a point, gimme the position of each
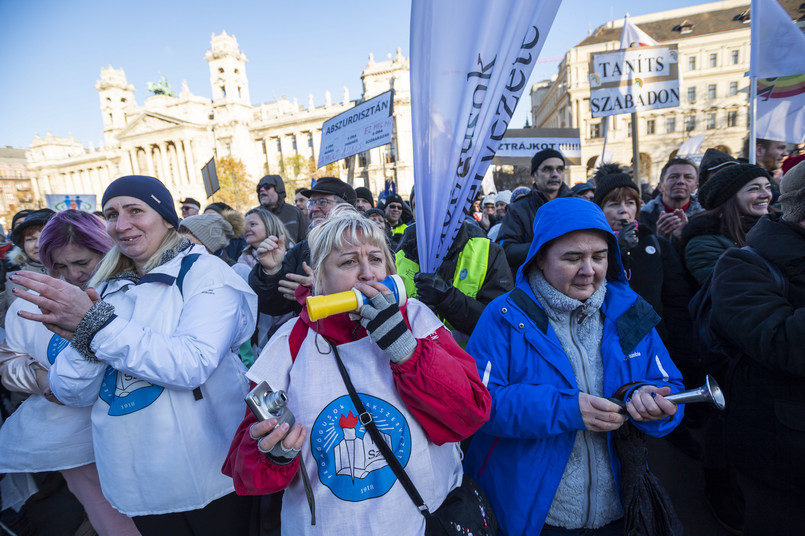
(266, 404)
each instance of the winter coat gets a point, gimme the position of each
(657, 275)
(651, 211)
(424, 406)
(766, 328)
(517, 228)
(519, 456)
(295, 222)
(164, 380)
(703, 243)
(460, 310)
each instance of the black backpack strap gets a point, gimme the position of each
(366, 420)
(779, 279)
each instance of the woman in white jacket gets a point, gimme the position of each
(156, 358)
(71, 245)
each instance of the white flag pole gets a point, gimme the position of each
(604, 148)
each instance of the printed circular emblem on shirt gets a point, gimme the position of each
(126, 394)
(55, 346)
(651, 250)
(463, 274)
(347, 459)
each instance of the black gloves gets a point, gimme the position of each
(627, 237)
(431, 288)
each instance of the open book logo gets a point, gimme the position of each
(349, 461)
(357, 457)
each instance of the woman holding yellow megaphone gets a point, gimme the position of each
(370, 378)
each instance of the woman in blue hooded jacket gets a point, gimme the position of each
(551, 352)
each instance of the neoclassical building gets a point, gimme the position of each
(713, 41)
(172, 137)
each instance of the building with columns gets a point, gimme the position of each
(173, 136)
(713, 41)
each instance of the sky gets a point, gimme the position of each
(52, 51)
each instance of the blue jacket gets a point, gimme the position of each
(518, 457)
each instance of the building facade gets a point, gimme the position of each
(16, 188)
(713, 41)
(173, 136)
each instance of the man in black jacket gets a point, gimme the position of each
(764, 322)
(516, 231)
(473, 273)
(271, 194)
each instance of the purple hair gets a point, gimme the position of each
(72, 227)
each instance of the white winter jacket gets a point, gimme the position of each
(167, 388)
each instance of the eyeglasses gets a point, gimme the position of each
(261, 187)
(395, 207)
(321, 202)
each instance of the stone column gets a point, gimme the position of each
(149, 160)
(181, 163)
(166, 170)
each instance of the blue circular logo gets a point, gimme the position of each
(463, 274)
(126, 393)
(55, 346)
(347, 458)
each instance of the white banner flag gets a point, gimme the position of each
(470, 62)
(777, 44)
(781, 108)
(632, 36)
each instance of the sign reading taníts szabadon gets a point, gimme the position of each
(359, 129)
(633, 80)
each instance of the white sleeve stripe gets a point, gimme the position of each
(487, 371)
(665, 376)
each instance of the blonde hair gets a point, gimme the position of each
(115, 262)
(343, 227)
(272, 224)
(236, 220)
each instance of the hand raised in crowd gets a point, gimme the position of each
(627, 237)
(648, 403)
(671, 224)
(63, 305)
(600, 414)
(270, 253)
(287, 287)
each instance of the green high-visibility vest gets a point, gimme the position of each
(470, 270)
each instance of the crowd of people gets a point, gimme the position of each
(556, 325)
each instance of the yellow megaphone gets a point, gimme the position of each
(352, 300)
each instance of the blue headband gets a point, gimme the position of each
(148, 190)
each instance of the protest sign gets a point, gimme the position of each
(359, 129)
(519, 145)
(210, 177)
(634, 80)
(59, 202)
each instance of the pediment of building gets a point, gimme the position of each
(148, 122)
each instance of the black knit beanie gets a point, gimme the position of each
(607, 183)
(148, 190)
(726, 182)
(543, 155)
